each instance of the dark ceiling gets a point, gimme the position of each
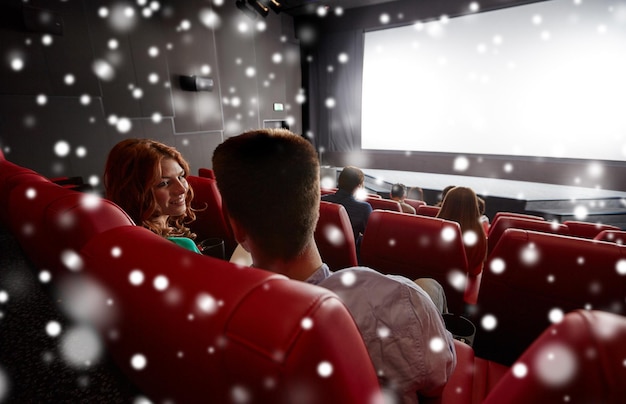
(301, 7)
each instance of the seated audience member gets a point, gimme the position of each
(415, 193)
(349, 181)
(461, 205)
(398, 193)
(147, 179)
(397, 319)
(484, 219)
(443, 194)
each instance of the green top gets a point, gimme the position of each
(185, 243)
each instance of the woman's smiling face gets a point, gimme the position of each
(170, 193)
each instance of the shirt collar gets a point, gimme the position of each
(319, 275)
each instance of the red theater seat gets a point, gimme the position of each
(587, 229)
(580, 359)
(210, 218)
(415, 203)
(384, 204)
(614, 236)
(206, 173)
(184, 327)
(334, 237)
(520, 215)
(532, 278)
(418, 247)
(472, 379)
(500, 225)
(209, 330)
(427, 210)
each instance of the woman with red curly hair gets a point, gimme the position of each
(147, 179)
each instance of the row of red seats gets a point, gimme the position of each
(214, 325)
(188, 328)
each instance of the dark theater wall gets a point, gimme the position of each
(65, 100)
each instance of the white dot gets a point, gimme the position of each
(161, 282)
(461, 163)
(46, 40)
(489, 322)
(42, 99)
(153, 51)
(81, 151)
(17, 64)
(185, 25)
(508, 168)
(4, 296)
(536, 19)
(113, 44)
(45, 276)
(81, 347)
(138, 361)
(448, 234)
(62, 148)
(348, 278)
(321, 11)
(330, 103)
(72, 260)
(250, 71)
(136, 277)
(69, 79)
(520, 370)
(103, 70)
(277, 57)
(436, 344)
(31, 193)
(53, 328)
(555, 315)
(580, 212)
(470, 238)
(530, 255)
(85, 99)
(206, 303)
(325, 369)
(497, 265)
(137, 93)
(153, 78)
(116, 252)
(123, 125)
(621, 267)
(156, 117)
(384, 18)
(343, 58)
(306, 323)
(383, 332)
(474, 7)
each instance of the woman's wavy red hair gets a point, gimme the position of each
(133, 169)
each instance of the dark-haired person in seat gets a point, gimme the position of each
(147, 179)
(402, 329)
(350, 180)
(398, 194)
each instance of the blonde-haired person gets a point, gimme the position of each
(147, 179)
(461, 205)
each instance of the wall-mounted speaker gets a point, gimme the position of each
(196, 83)
(41, 20)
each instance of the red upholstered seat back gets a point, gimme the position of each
(210, 218)
(614, 236)
(427, 210)
(415, 203)
(500, 225)
(417, 247)
(334, 237)
(206, 330)
(215, 331)
(579, 359)
(515, 214)
(587, 229)
(384, 204)
(206, 173)
(531, 278)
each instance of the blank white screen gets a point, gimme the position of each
(546, 79)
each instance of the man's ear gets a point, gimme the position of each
(240, 233)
